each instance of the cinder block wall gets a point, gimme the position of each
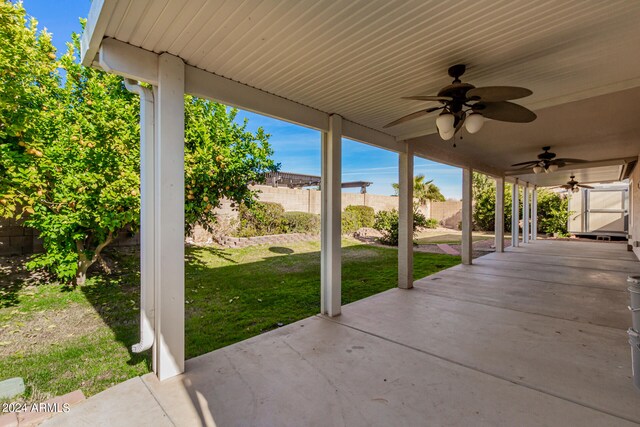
(449, 213)
(16, 239)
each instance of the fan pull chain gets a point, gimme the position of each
(454, 141)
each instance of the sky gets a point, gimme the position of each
(296, 148)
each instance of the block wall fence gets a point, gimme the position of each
(15, 239)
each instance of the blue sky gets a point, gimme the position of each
(296, 148)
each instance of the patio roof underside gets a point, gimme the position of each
(357, 59)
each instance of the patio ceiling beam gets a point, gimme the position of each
(97, 21)
(427, 150)
(575, 166)
(135, 63)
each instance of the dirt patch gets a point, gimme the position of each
(20, 335)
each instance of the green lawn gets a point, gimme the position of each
(451, 238)
(61, 339)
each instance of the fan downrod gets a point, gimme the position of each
(456, 71)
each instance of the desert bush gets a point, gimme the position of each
(553, 212)
(386, 222)
(431, 223)
(350, 222)
(260, 219)
(301, 222)
(366, 214)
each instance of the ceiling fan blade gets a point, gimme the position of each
(566, 160)
(428, 98)
(498, 93)
(505, 111)
(411, 117)
(531, 163)
(585, 186)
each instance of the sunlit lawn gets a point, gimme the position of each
(451, 237)
(61, 339)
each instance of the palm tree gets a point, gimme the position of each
(423, 191)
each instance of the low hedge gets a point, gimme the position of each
(301, 222)
(365, 214)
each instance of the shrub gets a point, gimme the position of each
(260, 219)
(366, 214)
(553, 212)
(431, 223)
(301, 222)
(386, 222)
(419, 220)
(350, 222)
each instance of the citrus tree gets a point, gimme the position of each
(70, 151)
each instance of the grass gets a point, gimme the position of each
(450, 238)
(231, 295)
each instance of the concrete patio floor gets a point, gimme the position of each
(534, 336)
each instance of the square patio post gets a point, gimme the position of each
(515, 215)
(525, 214)
(534, 214)
(467, 220)
(405, 219)
(499, 221)
(330, 255)
(169, 218)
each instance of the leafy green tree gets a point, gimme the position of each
(70, 152)
(28, 82)
(484, 203)
(553, 209)
(423, 191)
(553, 212)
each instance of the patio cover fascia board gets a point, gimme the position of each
(139, 64)
(135, 63)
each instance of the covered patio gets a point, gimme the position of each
(533, 336)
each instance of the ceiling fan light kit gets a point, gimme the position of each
(466, 105)
(474, 122)
(546, 162)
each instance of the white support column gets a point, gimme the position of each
(169, 216)
(405, 220)
(499, 221)
(515, 215)
(467, 219)
(534, 214)
(331, 210)
(525, 214)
